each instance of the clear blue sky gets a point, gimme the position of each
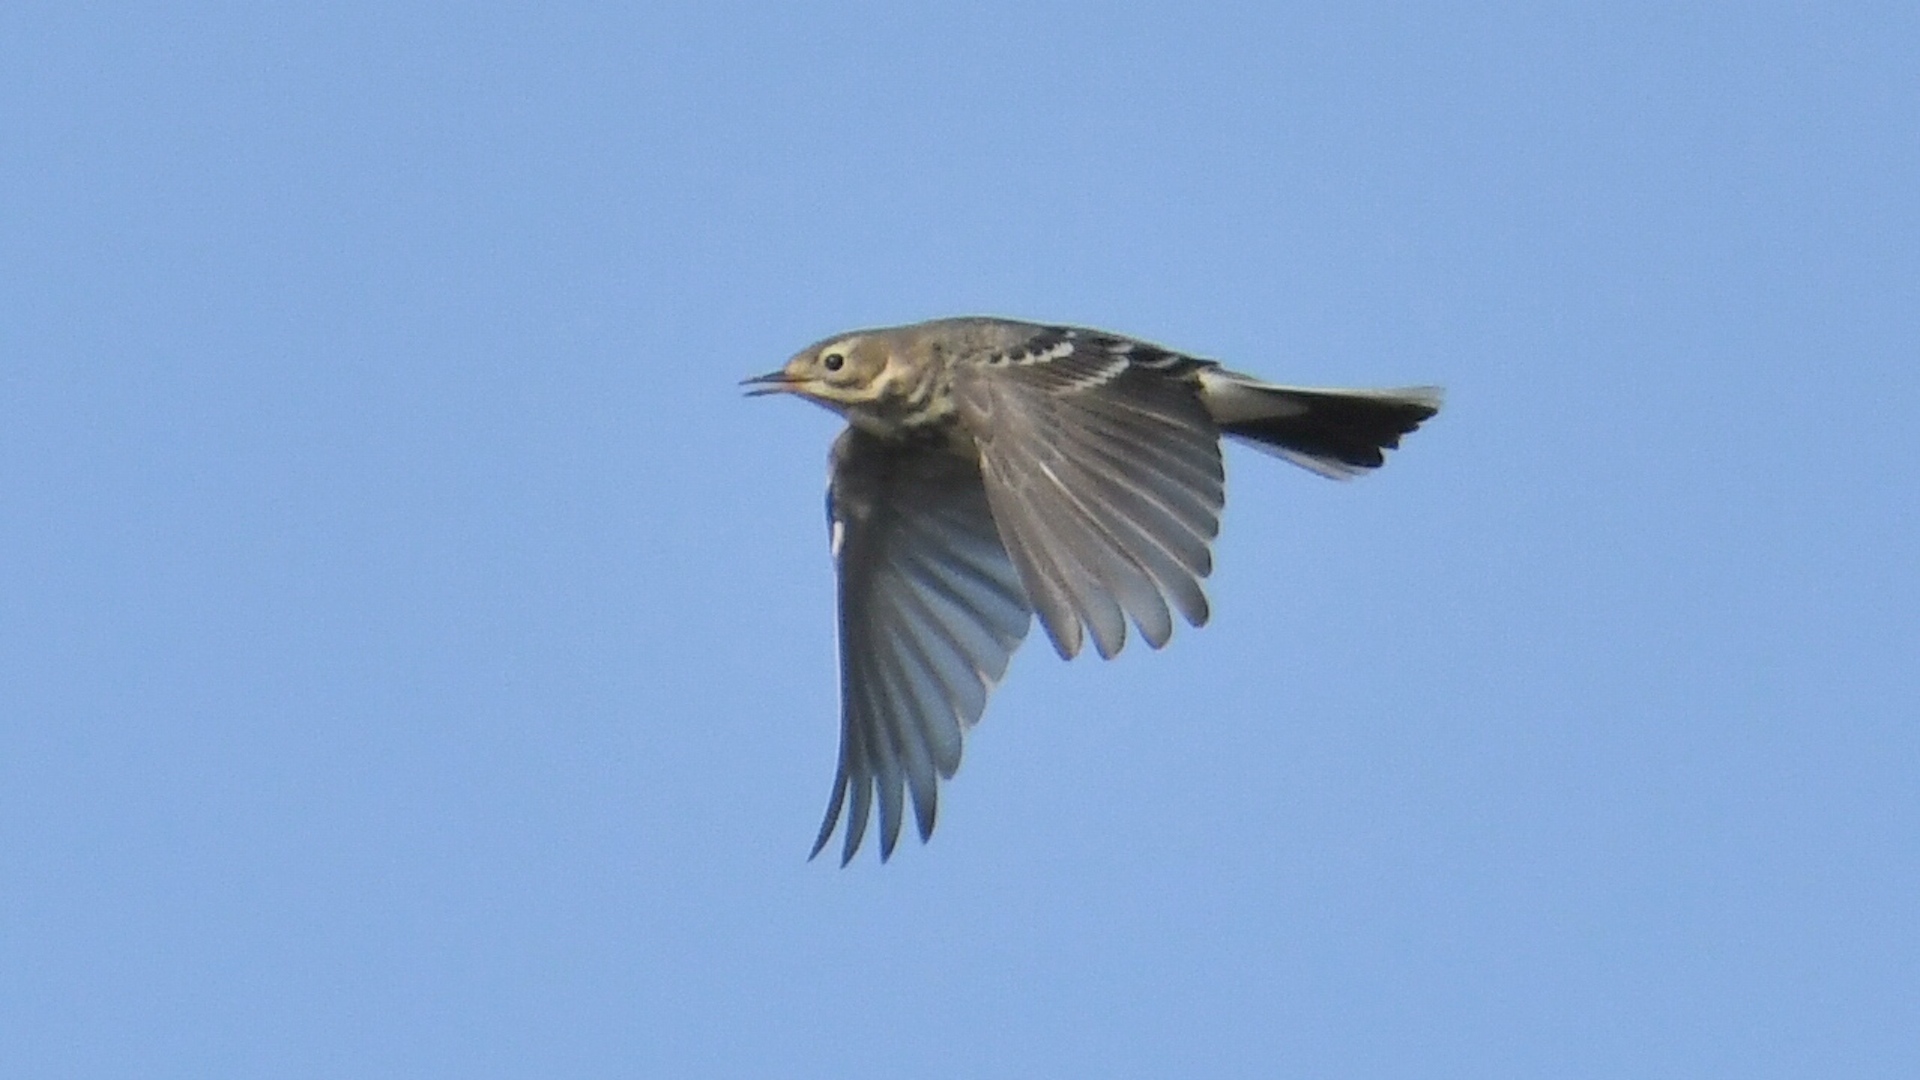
(416, 658)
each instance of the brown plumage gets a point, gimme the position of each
(994, 469)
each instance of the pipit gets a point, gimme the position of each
(994, 469)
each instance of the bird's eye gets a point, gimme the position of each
(833, 361)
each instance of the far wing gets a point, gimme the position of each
(931, 610)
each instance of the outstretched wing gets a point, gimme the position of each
(1102, 467)
(930, 612)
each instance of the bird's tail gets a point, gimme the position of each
(1336, 433)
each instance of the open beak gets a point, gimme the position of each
(773, 382)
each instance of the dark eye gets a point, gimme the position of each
(833, 361)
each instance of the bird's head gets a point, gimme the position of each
(839, 372)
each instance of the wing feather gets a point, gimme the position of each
(931, 609)
(1107, 486)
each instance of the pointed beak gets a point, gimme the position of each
(773, 382)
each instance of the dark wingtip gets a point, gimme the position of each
(834, 806)
(923, 815)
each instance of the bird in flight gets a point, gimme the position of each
(992, 470)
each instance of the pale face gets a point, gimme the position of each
(837, 372)
(845, 369)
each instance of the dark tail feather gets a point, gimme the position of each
(1337, 433)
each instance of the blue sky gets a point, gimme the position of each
(416, 658)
